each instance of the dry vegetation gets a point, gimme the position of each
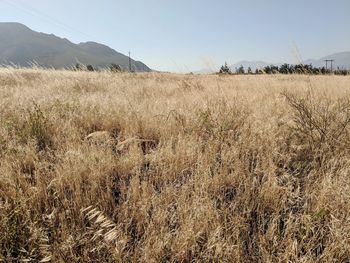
(189, 168)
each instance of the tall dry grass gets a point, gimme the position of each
(237, 168)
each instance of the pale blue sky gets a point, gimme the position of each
(187, 35)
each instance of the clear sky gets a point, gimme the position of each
(183, 35)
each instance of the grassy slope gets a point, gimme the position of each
(244, 169)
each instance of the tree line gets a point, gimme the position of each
(81, 67)
(285, 69)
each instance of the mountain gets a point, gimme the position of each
(252, 64)
(341, 60)
(22, 46)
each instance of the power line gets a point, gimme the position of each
(39, 14)
(34, 12)
(329, 60)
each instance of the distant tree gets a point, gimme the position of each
(302, 69)
(90, 68)
(249, 70)
(225, 69)
(274, 69)
(268, 69)
(316, 71)
(285, 69)
(291, 69)
(299, 69)
(341, 71)
(305, 68)
(240, 70)
(78, 66)
(260, 71)
(115, 67)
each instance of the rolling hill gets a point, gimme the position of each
(341, 60)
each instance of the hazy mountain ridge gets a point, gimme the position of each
(341, 60)
(252, 64)
(22, 46)
(245, 63)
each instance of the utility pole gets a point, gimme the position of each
(329, 60)
(129, 62)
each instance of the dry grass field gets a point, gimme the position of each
(183, 168)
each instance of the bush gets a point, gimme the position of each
(115, 68)
(320, 130)
(240, 70)
(90, 68)
(78, 67)
(36, 127)
(225, 69)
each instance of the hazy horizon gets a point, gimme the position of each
(188, 36)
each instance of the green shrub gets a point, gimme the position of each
(36, 127)
(225, 69)
(115, 67)
(90, 68)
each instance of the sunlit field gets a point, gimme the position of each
(155, 167)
